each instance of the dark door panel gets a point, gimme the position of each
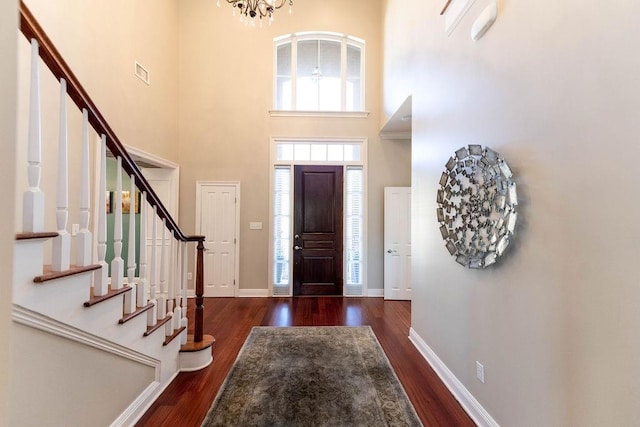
(317, 255)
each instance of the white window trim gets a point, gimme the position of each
(343, 39)
(365, 234)
(299, 113)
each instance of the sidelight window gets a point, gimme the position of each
(281, 229)
(353, 228)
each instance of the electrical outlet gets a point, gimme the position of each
(189, 276)
(75, 229)
(480, 372)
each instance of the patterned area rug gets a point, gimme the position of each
(311, 376)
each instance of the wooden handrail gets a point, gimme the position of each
(59, 68)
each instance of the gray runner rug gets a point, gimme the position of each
(311, 376)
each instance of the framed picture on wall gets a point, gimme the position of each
(109, 202)
(126, 202)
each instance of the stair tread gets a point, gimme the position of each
(49, 274)
(158, 325)
(39, 235)
(191, 345)
(139, 311)
(176, 332)
(93, 300)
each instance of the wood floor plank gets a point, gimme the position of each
(187, 399)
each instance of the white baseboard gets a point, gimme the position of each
(252, 293)
(469, 403)
(375, 293)
(141, 405)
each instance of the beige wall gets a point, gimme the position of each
(225, 95)
(101, 40)
(553, 86)
(64, 382)
(8, 66)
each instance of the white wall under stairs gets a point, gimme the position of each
(77, 365)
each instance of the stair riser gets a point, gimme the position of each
(62, 299)
(57, 299)
(27, 261)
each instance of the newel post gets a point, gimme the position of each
(199, 320)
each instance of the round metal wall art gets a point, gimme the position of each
(477, 202)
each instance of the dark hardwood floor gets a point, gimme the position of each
(187, 399)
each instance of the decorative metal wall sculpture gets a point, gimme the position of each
(477, 202)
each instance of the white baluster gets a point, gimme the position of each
(117, 264)
(83, 238)
(162, 306)
(61, 245)
(177, 312)
(183, 300)
(131, 297)
(143, 284)
(101, 279)
(154, 243)
(168, 327)
(33, 197)
(172, 279)
(131, 254)
(154, 314)
(170, 303)
(177, 318)
(163, 259)
(162, 299)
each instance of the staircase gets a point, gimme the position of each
(94, 342)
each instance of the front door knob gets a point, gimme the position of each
(297, 248)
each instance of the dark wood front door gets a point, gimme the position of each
(317, 254)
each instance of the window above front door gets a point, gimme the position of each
(319, 71)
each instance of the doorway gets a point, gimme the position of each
(318, 217)
(332, 259)
(397, 243)
(163, 176)
(217, 218)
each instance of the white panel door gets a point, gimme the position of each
(397, 243)
(217, 221)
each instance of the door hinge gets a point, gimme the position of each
(234, 240)
(234, 282)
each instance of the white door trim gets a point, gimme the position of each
(236, 184)
(363, 163)
(151, 158)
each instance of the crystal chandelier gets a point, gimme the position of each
(252, 9)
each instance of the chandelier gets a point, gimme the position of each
(252, 9)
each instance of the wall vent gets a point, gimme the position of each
(142, 73)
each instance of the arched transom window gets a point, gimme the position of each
(319, 72)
